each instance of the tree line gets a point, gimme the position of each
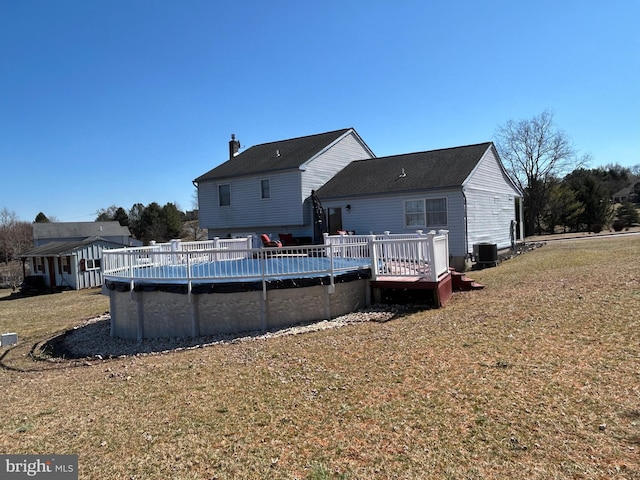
(558, 188)
(146, 223)
(155, 222)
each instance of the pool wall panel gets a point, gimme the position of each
(228, 312)
(162, 314)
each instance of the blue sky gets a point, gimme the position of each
(117, 102)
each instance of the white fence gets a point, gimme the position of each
(407, 255)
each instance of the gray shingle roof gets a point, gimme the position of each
(53, 249)
(79, 230)
(269, 157)
(444, 168)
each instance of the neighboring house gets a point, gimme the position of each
(68, 255)
(267, 188)
(69, 265)
(76, 231)
(628, 194)
(464, 190)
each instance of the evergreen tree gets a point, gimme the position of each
(171, 219)
(591, 191)
(628, 213)
(121, 216)
(151, 223)
(41, 218)
(563, 208)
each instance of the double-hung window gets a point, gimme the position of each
(431, 212)
(414, 213)
(64, 264)
(436, 212)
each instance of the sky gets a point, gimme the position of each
(117, 102)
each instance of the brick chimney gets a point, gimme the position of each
(234, 146)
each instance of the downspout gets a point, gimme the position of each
(466, 225)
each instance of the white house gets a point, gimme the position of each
(464, 190)
(267, 189)
(68, 255)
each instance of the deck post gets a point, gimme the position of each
(432, 256)
(373, 254)
(445, 234)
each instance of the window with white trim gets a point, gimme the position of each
(414, 213)
(38, 264)
(436, 212)
(224, 195)
(93, 263)
(431, 212)
(64, 265)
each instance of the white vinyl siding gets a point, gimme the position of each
(323, 168)
(377, 214)
(490, 203)
(286, 211)
(248, 210)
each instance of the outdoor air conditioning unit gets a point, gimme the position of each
(486, 253)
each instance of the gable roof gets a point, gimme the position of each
(630, 190)
(443, 168)
(273, 156)
(60, 248)
(79, 230)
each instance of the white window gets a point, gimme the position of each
(437, 212)
(93, 264)
(64, 265)
(414, 213)
(265, 189)
(224, 195)
(38, 264)
(425, 213)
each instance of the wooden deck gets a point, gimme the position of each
(442, 289)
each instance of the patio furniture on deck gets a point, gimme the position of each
(288, 240)
(267, 242)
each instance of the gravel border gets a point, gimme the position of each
(92, 339)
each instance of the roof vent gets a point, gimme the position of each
(402, 175)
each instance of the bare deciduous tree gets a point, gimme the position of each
(15, 235)
(535, 151)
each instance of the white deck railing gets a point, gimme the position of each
(407, 255)
(419, 254)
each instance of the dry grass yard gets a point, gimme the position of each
(537, 376)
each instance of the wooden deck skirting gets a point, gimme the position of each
(442, 289)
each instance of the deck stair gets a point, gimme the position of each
(462, 283)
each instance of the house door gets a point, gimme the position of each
(52, 272)
(334, 220)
